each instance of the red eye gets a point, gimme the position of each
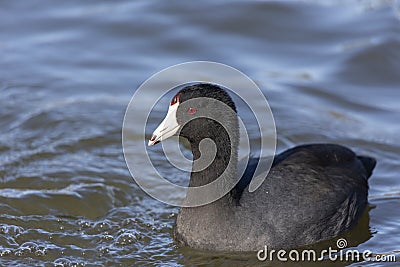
(192, 110)
(175, 99)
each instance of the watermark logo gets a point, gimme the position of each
(147, 109)
(341, 243)
(331, 254)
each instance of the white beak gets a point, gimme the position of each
(167, 128)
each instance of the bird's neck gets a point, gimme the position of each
(215, 158)
(199, 220)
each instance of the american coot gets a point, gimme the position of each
(313, 192)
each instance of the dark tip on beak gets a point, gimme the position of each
(153, 138)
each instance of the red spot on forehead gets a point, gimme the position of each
(176, 99)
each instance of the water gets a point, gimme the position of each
(330, 70)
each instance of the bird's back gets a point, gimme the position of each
(313, 192)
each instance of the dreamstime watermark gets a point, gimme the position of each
(159, 89)
(332, 254)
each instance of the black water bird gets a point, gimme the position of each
(313, 192)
